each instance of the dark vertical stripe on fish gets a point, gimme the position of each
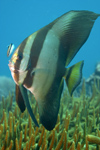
(60, 71)
(35, 52)
(52, 98)
(21, 49)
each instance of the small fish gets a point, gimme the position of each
(10, 49)
(39, 64)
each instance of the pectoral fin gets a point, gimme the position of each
(73, 76)
(19, 99)
(26, 100)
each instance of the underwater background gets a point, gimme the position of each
(78, 124)
(20, 18)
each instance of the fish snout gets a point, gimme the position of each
(12, 67)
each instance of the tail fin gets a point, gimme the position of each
(73, 76)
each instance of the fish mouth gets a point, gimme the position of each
(12, 67)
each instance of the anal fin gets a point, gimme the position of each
(49, 106)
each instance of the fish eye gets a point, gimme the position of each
(19, 56)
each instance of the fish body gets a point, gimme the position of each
(10, 49)
(39, 63)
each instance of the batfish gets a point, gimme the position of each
(39, 64)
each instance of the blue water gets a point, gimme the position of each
(20, 18)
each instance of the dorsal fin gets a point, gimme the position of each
(73, 29)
